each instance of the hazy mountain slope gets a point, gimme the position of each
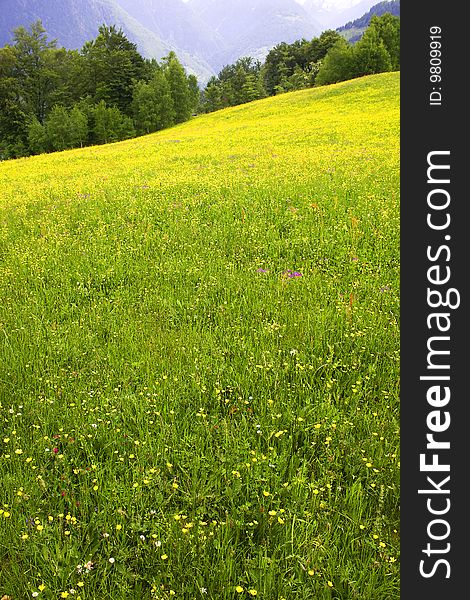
(332, 16)
(205, 34)
(353, 30)
(252, 27)
(176, 23)
(73, 22)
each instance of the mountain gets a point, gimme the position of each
(175, 22)
(205, 34)
(253, 27)
(73, 22)
(334, 13)
(353, 30)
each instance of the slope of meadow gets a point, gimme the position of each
(199, 357)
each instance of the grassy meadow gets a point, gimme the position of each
(199, 358)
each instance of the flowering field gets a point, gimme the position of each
(199, 350)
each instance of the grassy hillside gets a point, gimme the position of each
(199, 357)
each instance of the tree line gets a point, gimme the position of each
(326, 59)
(54, 99)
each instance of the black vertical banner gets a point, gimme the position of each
(435, 433)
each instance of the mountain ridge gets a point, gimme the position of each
(206, 35)
(353, 30)
(73, 22)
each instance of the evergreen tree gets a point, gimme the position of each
(112, 64)
(323, 44)
(238, 84)
(251, 89)
(195, 93)
(235, 84)
(276, 68)
(212, 96)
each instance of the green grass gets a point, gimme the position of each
(163, 397)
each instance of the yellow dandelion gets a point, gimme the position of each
(239, 589)
(163, 556)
